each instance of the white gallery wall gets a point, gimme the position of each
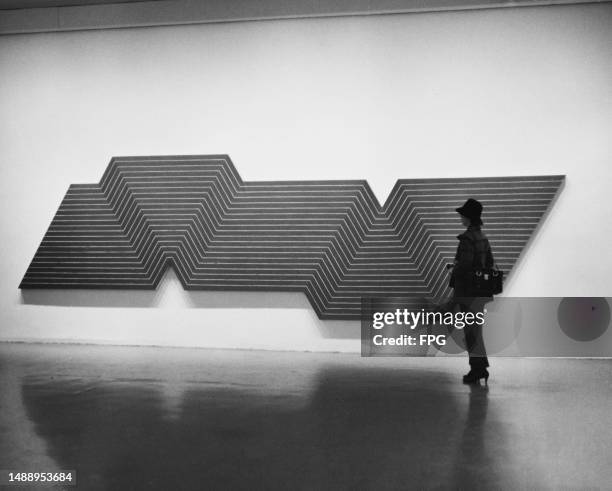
(477, 93)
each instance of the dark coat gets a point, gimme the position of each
(473, 252)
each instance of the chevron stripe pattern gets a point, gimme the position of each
(331, 240)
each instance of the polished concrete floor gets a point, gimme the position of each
(171, 419)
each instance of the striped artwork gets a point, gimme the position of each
(331, 240)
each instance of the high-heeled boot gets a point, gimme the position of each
(474, 376)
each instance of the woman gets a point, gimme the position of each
(473, 252)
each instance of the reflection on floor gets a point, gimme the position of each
(155, 418)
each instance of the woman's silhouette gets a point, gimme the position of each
(473, 252)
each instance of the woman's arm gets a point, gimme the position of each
(464, 259)
(489, 261)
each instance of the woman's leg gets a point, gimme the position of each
(474, 341)
(475, 347)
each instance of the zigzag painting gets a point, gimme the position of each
(331, 240)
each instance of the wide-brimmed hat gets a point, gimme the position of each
(471, 209)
